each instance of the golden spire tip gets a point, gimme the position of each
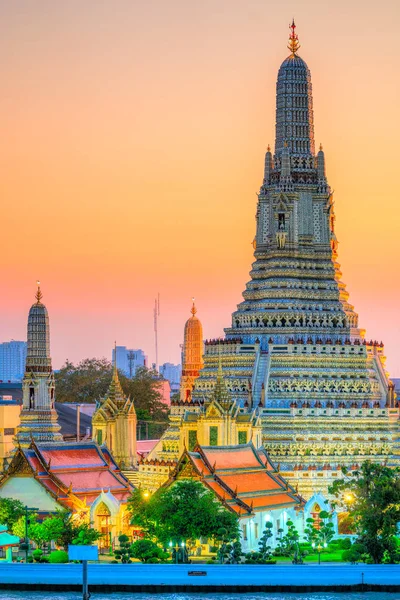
(193, 309)
(293, 45)
(38, 294)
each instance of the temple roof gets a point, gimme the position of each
(74, 473)
(242, 477)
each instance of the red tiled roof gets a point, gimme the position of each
(255, 481)
(76, 456)
(242, 477)
(82, 481)
(75, 471)
(144, 447)
(273, 500)
(227, 457)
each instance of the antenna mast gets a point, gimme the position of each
(156, 315)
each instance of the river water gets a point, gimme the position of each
(7, 595)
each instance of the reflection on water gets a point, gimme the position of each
(10, 595)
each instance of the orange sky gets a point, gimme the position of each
(132, 145)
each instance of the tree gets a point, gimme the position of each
(89, 380)
(185, 511)
(372, 496)
(10, 512)
(145, 389)
(321, 532)
(289, 544)
(123, 553)
(148, 552)
(264, 554)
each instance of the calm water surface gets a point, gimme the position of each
(6, 595)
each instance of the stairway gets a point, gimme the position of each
(260, 376)
(132, 477)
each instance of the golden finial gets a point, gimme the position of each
(293, 45)
(320, 147)
(38, 294)
(269, 148)
(193, 310)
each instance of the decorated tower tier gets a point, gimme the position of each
(38, 415)
(294, 350)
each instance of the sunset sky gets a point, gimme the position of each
(132, 147)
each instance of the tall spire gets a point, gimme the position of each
(38, 416)
(293, 44)
(294, 107)
(192, 354)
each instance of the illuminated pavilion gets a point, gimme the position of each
(294, 351)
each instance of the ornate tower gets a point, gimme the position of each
(38, 415)
(192, 354)
(294, 348)
(114, 423)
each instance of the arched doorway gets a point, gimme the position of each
(103, 524)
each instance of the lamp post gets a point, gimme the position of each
(319, 549)
(27, 511)
(183, 551)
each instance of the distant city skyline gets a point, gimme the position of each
(12, 360)
(136, 172)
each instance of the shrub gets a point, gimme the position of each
(146, 551)
(124, 552)
(356, 553)
(37, 555)
(58, 556)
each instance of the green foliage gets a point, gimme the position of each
(123, 553)
(18, 528)
(185, 511)
(321, 533)
(37, 555)
(375, 507)
(58, 556)
(10, 512)
(85, 535)
(148, 552)
(289, 544)
(89, 381)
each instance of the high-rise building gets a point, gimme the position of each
(173, 374)
(294, 349)
(129, 360)
(12, 360)
(192, 354)
(38, 415)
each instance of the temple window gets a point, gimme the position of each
(244, 532)
(99, 437)
(281, 221)
(213, 435)
(256, 530)
(192, 439)
(242, 437)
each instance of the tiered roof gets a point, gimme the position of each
(242, 477)
(73, 473)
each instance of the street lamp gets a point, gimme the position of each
(27, 511)
(319, 549)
